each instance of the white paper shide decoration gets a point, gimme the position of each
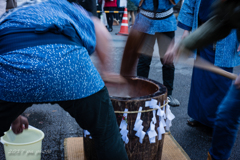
(165, 120)
(169, 118)
(86, 133)
(123, 127)
(151, 131)
(139, 127)
(164, 115)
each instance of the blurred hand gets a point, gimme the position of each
(238, 49)
(109, 77)
(19, 124)
(170, 54)
(237, 82)
(185, 34)
(173, 52)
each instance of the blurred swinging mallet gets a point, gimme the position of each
(203, 64)
(200, 62)
(136, 40)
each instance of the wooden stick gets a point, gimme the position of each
(203, 64)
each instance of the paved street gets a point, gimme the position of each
(58, 124)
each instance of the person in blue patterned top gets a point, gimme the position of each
(45, 58)
(154, 21)
(207, 89)
(225, 21)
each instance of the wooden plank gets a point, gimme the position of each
(73, 148)
(172, 150)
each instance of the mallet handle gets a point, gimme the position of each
(203, 64)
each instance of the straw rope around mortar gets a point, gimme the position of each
(149, 110)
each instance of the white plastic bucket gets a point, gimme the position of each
(24, 146)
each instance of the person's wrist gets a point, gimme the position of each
(16, 120)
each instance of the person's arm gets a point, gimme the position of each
(103, 43)
(19, 124)
(174, 2)
(211, 31)
(225, 18)
(130, 54)
(237, 82)
(186, 15)
(185, 34)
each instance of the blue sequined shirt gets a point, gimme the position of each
(52, 72)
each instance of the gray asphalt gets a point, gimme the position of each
(58, 124)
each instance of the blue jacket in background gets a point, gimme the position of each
(226, 49)
(150, 26)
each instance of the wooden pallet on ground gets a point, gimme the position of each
(74, 149)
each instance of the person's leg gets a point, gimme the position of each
(99, 8)
(109, 18)
(164, 39)
(207, 90)
(133, 17)
(9, 111)
(145, 57)
(110, 22)
(128, 14)
(95, 114)
(111, 15)
(121, 14)
(226, 125)
(117, 16)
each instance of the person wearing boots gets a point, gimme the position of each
(225, 20)
(155, 21)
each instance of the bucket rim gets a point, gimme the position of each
(22, 144)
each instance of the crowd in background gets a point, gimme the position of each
(111, 19)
